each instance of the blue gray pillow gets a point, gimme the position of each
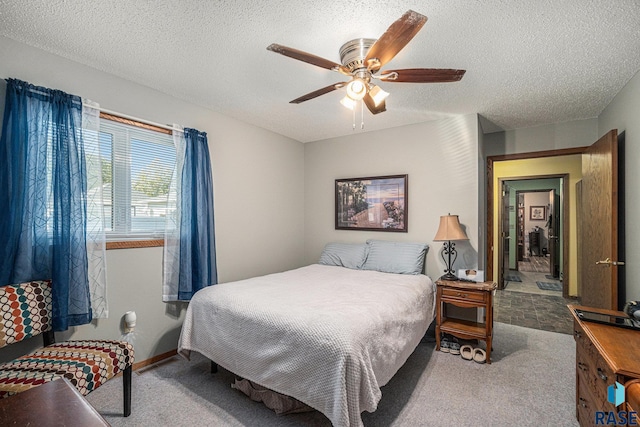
(395, 257)
(350, 255)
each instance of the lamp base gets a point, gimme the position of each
(449, 276)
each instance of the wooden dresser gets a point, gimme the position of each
(633, 396)
(604, 354)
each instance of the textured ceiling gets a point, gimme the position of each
(528, 62)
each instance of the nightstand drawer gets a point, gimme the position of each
(464, 294)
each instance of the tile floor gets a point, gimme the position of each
(524, 304)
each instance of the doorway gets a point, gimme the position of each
(532, 291)
(534, 249)
(534, 216)
(594, 174)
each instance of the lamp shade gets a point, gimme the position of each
(378, 95)
(450, 229)
(356, 89)
(348, 102)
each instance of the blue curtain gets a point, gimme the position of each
(43, 197)
(194, 264)
(197, 256)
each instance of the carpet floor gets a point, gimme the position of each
(530, 382)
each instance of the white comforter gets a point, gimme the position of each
(327, 336)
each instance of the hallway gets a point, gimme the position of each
(533, 299)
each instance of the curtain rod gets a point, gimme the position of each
(136, 119)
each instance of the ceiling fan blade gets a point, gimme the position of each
(371, 105)
(422, 75)
(308, 58)
(317, 93)
(394, 39)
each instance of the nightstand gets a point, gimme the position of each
(468, 295)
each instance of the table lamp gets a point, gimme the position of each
(449, 231)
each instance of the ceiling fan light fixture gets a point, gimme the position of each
(378, 95)
(348, 102)
(363, 59)
(356, 89)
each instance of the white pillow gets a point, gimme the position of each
(350, 255)
(395, 257)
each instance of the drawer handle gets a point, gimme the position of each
(582, 366)
(577, 334)
(601, 374)
(460, 294)
(583, 402)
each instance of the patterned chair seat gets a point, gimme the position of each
(25, 311)
(86, 364)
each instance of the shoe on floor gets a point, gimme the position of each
(466, 352)
(444, 345)
(454, 347)
(479, 355)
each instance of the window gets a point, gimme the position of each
(137, 165)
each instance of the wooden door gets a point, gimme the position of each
(599, 223)
(506, 233)
(579, 236)
(554, 236)
(520, 228)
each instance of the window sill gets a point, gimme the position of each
(131, 244)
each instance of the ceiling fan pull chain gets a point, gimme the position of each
(361, 115)
(353, 127)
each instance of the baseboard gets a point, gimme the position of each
(155, 359)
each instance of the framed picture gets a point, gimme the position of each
(537, 213)
(374, 204)
(475, 275)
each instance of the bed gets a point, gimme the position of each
(327, 335)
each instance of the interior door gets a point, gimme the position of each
(554, 236)
(506, 235)
(599, 223)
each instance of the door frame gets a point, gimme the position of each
(565, 223)
(490, 189)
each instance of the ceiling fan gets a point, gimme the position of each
(362, 60)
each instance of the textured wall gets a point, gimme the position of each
(554, 136)
(441, 159)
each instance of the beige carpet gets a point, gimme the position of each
(531, 382)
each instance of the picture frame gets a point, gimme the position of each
(470, 274)
(378, 203)
(537, 213)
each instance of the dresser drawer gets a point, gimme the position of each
(589, 378)
(464, 294)
(579, 334)
(594, 374)
(585, 406)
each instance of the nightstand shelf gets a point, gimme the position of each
(459, 327)
(467, 295)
